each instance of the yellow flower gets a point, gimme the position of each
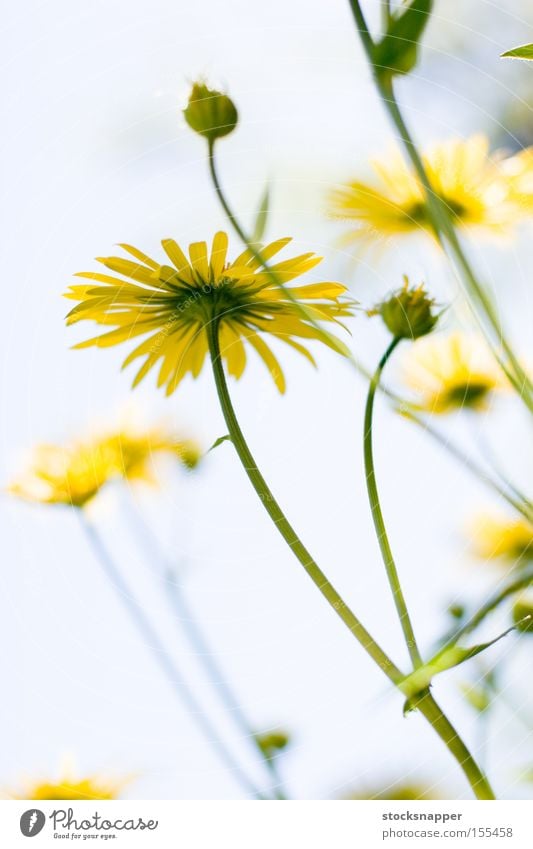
(451, 371)
(67, 474)
(68, 787)
(480, 191)
(76, 472)
(172, 305)
(134, 450)
(499, 537)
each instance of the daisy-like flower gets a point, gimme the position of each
(495, 537)
(69, 786)
(75, 473)
(451, 371)
(492, 193)
(173, 304)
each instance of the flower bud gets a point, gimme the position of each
(210, 113)
(272, 742)
(408, 313)
(523, 615)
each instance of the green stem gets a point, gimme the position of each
(278, 517)
(521, 505)
(202, 649)
(487, 608)
(443, 222)
(377, 515)
(425, 703)
(152, 641)
(405, 408)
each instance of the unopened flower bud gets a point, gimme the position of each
(210, 113)
(523, 615)
(272, 742)
(408, 313)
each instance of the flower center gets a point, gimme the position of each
(467, 394)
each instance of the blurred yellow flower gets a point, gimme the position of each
(451, 371)
(134, 449)
(174, 304)
(67, 474)
(68, 787)
(499, 537)
(75, 473)
(490, 192)
(400, 791)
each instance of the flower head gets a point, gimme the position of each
(173, 305)
(67, 474)
(210, 113)
(496, 537)
(71, 787)
(75, 473)
(408, 313)
(452, 371)
(481, 191)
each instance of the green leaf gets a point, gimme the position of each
(261, 215)
(445, 659)
(397, 52)
(219, 441)
(524, 52)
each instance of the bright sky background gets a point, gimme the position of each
(95, 152)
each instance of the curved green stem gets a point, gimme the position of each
(282, 524)
(161, 656)
(377, 515)
(189, 624)
(425, 702)
(443, 223)
(402, 406)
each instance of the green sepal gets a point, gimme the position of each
(524, 52)
(219, 441)
(397, 52)
(446, 658)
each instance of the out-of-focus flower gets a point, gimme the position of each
(407, 313)
(135, 449)
(173, 305)
(400, 791)
(67, 474)
(499, 537)
(452, 371)
(210, 113)
(491, 193)
(70, 787)
(523, 614)
(273, 742)
(75, 473)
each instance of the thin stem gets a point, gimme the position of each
(443, 221)
(489, 606)
(522, 506)
(446, 731)
(401, 405)
(377, 515)
(282, 524)
(425, 703)
(184, 616)
(152, 640)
